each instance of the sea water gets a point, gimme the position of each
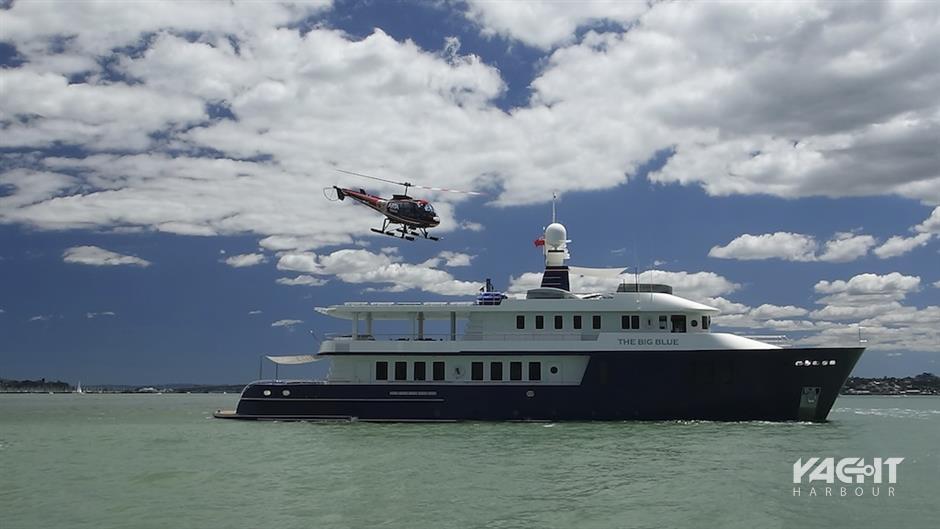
(142, 461)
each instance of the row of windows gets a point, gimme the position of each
(627, 321)
(419, 370)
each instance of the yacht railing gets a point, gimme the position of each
(775, 339)
(400, 337)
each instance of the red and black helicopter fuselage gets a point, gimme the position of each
(414, 216)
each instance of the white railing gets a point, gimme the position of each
(470, 336)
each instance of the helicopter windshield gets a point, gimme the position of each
(429, 208)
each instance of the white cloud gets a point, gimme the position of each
(455, 259)
(937, 284)
(900, 245)
(301, 280)
(932, 224)
(846, 247)
(863, 296)
(95, 256)
(774, 312)
(244, 260)
(864, 284)
(547, 24)
(254, 312)
(362, 266)
(42, 317)
(709, 81)
(780, 245)
(842, 247)
(93, 315)
(286, 323)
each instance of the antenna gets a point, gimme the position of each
(554, 196)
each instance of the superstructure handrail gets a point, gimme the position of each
(470, 336)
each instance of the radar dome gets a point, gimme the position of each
(556, 235)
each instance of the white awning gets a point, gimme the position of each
(293, 359)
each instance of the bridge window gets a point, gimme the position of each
(420, 371)
(401, 370)
(381, 370)
(496, 370)
(476, 371)
(662, 322)
(596, 321)
(535, 370)
(438, 368)
(706, 322)
(540, 322)
(678, 323)
(629, 322)
(515, 370)
(558, 322)
(576, 321)
(520, 322)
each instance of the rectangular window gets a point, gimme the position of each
(535, 370)
(438, 368)
(624, 322)
(596, 321)
(706, 321)
(496, 370)
(419, 371)
(401, 370)
(520, 322)
(662, 322)
(577, 321)
(558, 321)
(635, 322)
(678, 323)
(381, 370)
(515, 370)
(476, 371)
(540, 322)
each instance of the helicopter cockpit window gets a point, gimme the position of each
(429, 208)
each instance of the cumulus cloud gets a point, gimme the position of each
(779, 245)
(244, 260)
(230, 119)
(95, 256)
(863, 296)
(900, 245)
(286, 323)
(842, 247)
(301, 280)
(363, 267)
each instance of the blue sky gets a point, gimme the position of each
(161, 207)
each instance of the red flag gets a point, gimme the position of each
(540, 241)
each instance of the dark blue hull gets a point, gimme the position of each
(733, 385)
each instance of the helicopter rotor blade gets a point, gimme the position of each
(376, 178)
(409, 184)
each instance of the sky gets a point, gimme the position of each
(163, 220)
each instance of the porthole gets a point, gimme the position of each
(832, 362)
(815, 362)
(694, 323)
(799, 363)
(266, 393)
(286, 393)
(530, 393)
(553, 370)
(825, 362)
(806, 362)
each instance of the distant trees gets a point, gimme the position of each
(29, 386)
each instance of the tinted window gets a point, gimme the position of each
(496, 370)
(662, 322)
(577, 321)
(401, 370)
(678, 323)
(558, 322)
(381, 370)
(625, 322)
(420, 370)
(438, 370)
(515, 370)
(706, 320)
(520, 322)
(535, 370)
(635, 322)
(476, 371)
(540, 322)
(596, 321)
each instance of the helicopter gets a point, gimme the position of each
(413, 216)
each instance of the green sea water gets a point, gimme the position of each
(161, 461)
